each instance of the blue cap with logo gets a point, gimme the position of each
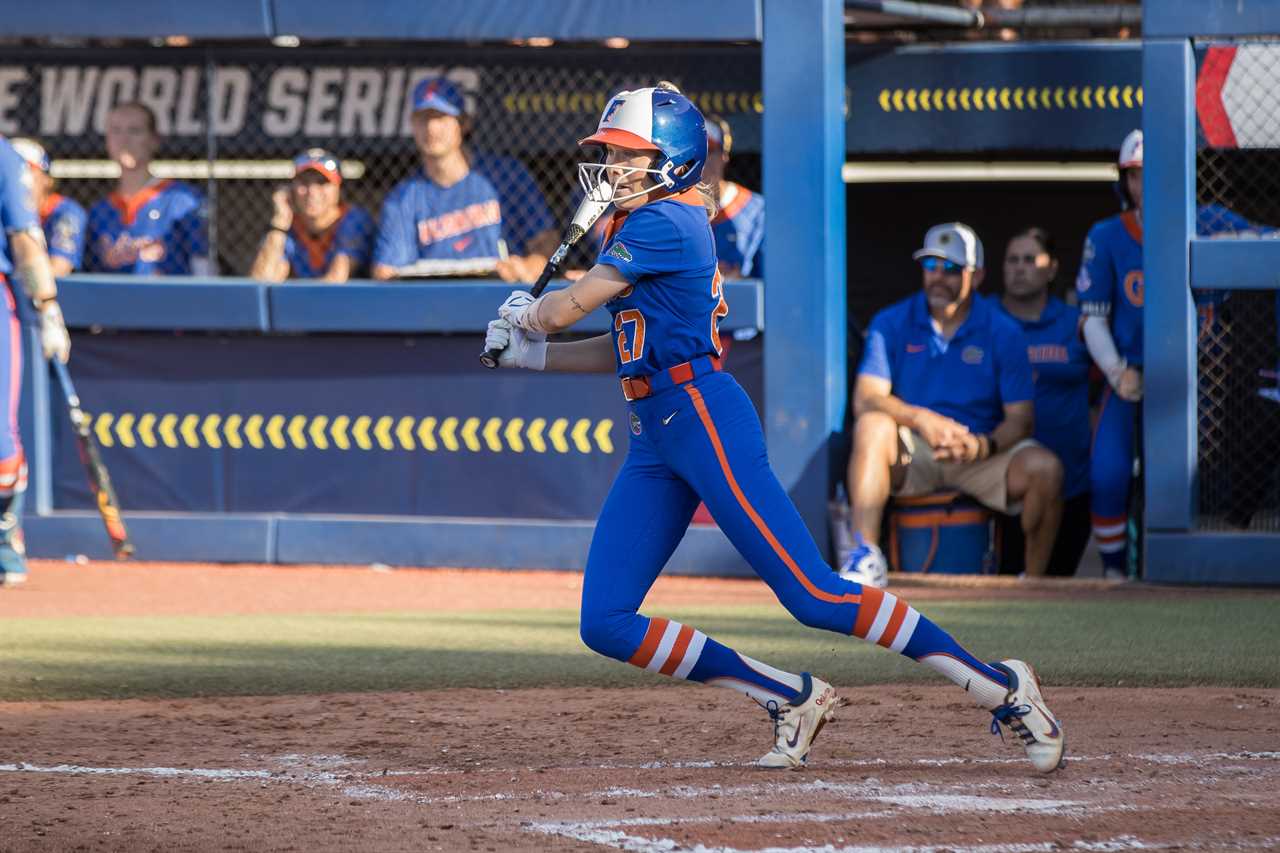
(437, 93)
(318, 160)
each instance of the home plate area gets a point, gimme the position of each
(644, 769)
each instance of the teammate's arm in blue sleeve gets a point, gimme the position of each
(188, 239)
(396, 243)
(65, 232)
(648, 244)
(1017, 383)
(17, 206)
(1017, 389)
(355, 237)
(875, 355)
(1096, 281)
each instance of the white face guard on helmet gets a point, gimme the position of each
(658, 120)
(600, 181)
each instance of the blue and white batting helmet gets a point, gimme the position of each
(1130, 157)
(33, 152)
(662, 120)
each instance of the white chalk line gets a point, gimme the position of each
(341, 773)
(605, 834)
(832, 764)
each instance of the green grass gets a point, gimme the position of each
(1228, 641)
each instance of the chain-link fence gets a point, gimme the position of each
(1238, 197)
(230, 121)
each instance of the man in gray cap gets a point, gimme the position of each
(944, 400)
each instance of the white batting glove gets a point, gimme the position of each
(54, 339)
(519, 348)
(521, 310)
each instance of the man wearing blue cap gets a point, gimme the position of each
(314, 235)
(461, 206)
(945, 399)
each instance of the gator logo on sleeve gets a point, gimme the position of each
(620, 252)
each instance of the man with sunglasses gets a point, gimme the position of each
(314, 235)
(944, 399)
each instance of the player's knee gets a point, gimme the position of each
(605, 634)
(875, 434)
(1045, 470)
(875, 430)
(815, 613)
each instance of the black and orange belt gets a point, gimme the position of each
(639, 387)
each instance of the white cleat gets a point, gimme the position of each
(797, 723)
(1025, 714)
(866, 565)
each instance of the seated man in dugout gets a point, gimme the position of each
(944, 399)
(314, 235)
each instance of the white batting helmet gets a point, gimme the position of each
(33, 152)
(1131, 150)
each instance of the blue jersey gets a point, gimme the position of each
(969, 378)
(497, 200)
(670, 313)
(64, 223)
(1060, 364)
(156, 231)
(739, 231)
(1110, 282)
(17, 205)
(310, 255)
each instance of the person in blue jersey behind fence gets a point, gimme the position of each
(314, 235)
(1060, 363)
(944, 399)
(148, 225)
(739, 222)
(696, 436)
(1110, 286)
(22, 253)
(461, 205)
(62, 218)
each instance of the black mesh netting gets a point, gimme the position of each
(1238, 193)
(232, 118)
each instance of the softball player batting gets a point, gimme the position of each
(696, 436)
(22, 249)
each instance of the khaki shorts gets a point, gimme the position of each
(986, 480)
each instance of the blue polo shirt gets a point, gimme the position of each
(970, 378)
(1060, 364)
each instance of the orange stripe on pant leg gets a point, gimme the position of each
(895, 622)
(872, 598)
(705, 417)
(649, 645)
(677, 651)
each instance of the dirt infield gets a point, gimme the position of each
(646, 769)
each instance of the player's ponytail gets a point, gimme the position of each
(709, 200)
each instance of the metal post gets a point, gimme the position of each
(1169, 336)
(805, 384)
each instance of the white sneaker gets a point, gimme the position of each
(797, 723)
(866, 565)
(1025, 714)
